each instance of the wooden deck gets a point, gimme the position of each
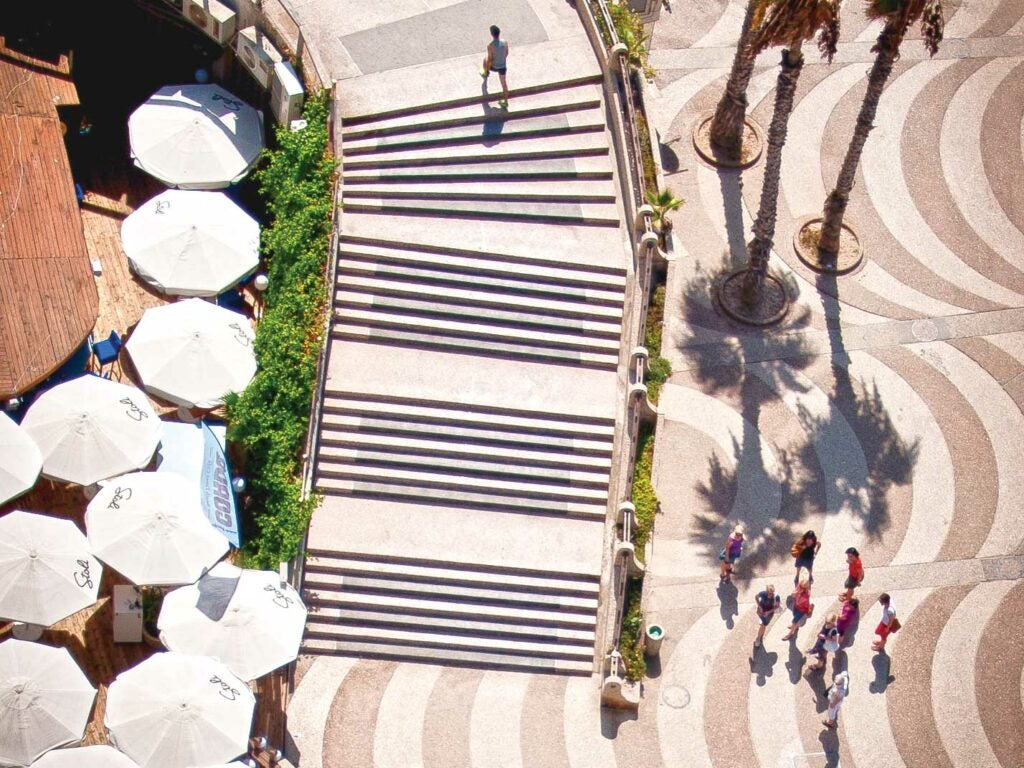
(112, 300)
(48, 300)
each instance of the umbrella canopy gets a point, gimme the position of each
(174, 710)
(191, 243)
(90, 428)
(20, 460)
(195, 136)
(246, 618)
(193, 352)
(45, 700)
(150, 527)
(97, 756)
(46, 570)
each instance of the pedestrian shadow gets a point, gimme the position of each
(882, 664)
(494, 118)
(829, 740)
(728, 598)
(762, 664)
(795, 661)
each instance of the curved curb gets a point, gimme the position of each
(846, 263)
(702, 143)
(727, 292)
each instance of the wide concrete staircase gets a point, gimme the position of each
(468, 420)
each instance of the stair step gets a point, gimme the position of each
(487, 133)
(509, 662)
(566, 147)
(343, 300)
(553, 212)
(578, 98)
(483, 188)
(604, 249)
(596, 166)
(390, 457)
(463, 451)
(454, 641)
(397, 336)
(325, 617)
(331, 584)
(339, 426)
(527, 423)
(443, 572)
(479, 328)
(362, 117)
(591, 304)
(552, 192)
(437, 477)
(479, 265)
(455, 497)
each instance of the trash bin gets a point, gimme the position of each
(652, 639)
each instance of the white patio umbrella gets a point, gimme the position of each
(248, 619)
(45, 700)
(91, 428)
(20, 460)
(46, 570)
(151, 528)
(195, 136)
(175, 710)
(193, 352)
(96, 756)
(191, 243)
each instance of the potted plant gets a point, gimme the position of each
(663, 202)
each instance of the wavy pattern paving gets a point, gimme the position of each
(885, 413)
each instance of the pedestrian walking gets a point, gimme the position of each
(805, 549)
(888, 624)
(836, 695)
(855, 576)
(849, 613)
(496, 61)
(730, 552)
(802, 607)
(827, 642)
(767, 604)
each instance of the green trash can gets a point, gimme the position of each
(652, 639)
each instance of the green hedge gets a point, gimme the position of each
(269, 421)
(631, 640)
(658, 367)
(644, 499)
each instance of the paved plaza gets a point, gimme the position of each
(884, 412)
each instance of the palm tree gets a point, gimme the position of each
(663, 202)
(726, 132)
(788, 22)
(899, 15)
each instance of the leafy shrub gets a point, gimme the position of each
(630, 30)
(631, 639)
(658, 368)
(644, 499)
(271, 418)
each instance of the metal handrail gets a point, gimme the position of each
(644, 241)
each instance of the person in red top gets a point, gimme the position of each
(856, 573)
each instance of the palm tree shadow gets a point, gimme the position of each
(753, 366)
(757, 367)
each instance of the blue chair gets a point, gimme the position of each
(233, 300)
(107, 350)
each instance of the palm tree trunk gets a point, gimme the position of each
(760, 247)
(835, 203)
(727, 124)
